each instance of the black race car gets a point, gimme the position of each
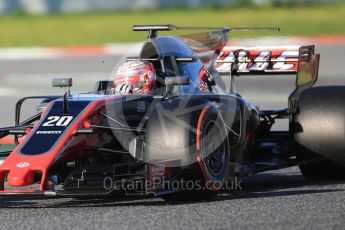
(169, 122)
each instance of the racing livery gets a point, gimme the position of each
(168, 116)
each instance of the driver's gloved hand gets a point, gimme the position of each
(126, 89)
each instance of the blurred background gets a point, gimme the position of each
(56, 6)
(84, 39)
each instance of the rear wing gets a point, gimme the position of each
(264, 59)
(296, 60)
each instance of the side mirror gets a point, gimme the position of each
(181, 80)
(67, 84)
(62, 82)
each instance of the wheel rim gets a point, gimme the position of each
(215, 151)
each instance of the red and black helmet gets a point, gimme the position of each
(135, 77)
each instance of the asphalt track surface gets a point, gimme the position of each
(273, 200)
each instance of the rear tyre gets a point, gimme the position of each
(319, 127)
(315, 167)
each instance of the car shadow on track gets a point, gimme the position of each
(274, 185)
(258, 186)
(81, 203)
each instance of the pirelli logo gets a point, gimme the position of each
(48, 132)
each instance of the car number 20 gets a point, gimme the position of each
(58, 121)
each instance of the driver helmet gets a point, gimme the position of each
(135, 77)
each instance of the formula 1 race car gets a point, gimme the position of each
(170, 123)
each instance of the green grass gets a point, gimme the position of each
(98, 28)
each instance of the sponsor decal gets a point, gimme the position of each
(48, 132)
(23, 165)
(259, 60)
(159, 171)
(204, 77)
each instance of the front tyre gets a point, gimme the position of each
(212, 166)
